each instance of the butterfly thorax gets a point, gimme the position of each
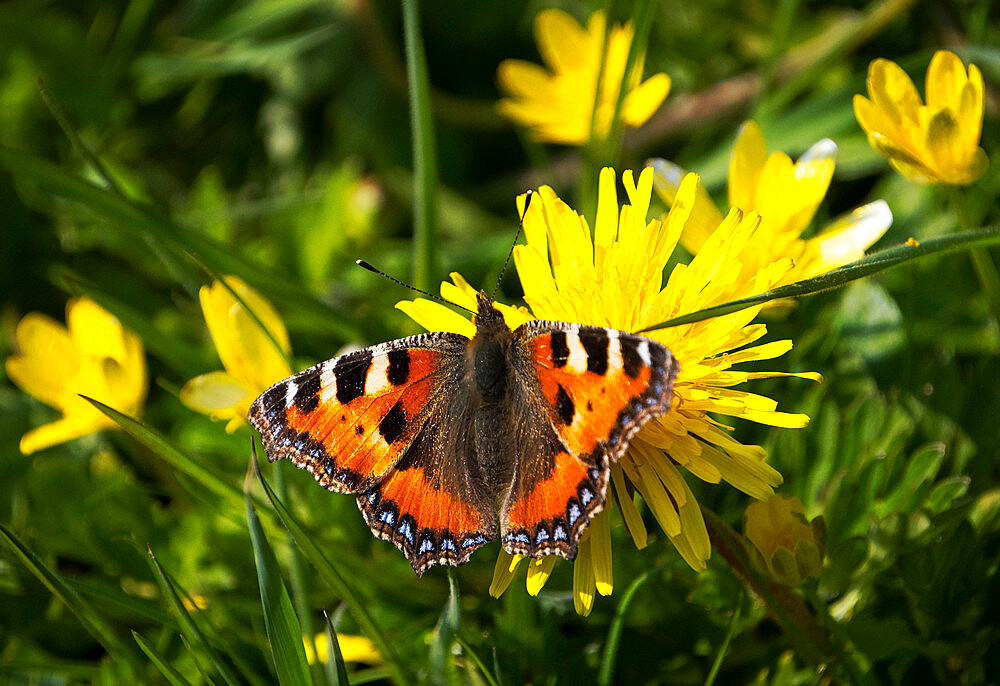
(488, 360)
(489, 352)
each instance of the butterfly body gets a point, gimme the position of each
(448, 441)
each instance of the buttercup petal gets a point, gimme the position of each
(62, 430)
(95, 332)
(214, 392)
(48, 358)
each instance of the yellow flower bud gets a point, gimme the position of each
(784, 544)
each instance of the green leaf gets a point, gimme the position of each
(477, 661)
(881, 639)
(90, 619)
(171, 674)
(336, 669)
(444, 633)
(160, 74)
(189, 629)
(607, 671)
(946, 492)
(921, 468)
(870, 322)
(283, 628)
(870, 264)
(337, 581)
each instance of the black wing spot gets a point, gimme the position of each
(560, 350)
(359, 429)
(564, 406)
(399, 367)
(590, 406)
(351, 372)
(630, 356)
(307, 396)
(595, 343)
(392, 424)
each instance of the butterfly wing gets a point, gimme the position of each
(435, 505)
(595, 388)
(349, 420)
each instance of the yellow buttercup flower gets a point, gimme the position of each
(784, 544)
(558, 104)
(94, 355)
(613, 278)
(253, 363)
(786, 194)
(933, 143)
(353, 648)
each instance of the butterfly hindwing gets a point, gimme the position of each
(434, 506)
(349, 420)
(597, 387)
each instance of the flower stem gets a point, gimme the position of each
(986, 270)
(797, 621)
(425, 177)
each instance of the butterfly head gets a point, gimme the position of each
(488, 318)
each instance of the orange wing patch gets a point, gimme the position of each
(587, 398)
(546, 516)
(349, 420)
(427, 522)
(548, 497)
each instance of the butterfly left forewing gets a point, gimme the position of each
(349, 420)
(596, 388)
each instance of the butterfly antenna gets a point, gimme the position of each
(517, 234)
(362, 263)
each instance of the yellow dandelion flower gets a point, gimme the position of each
(933, 143)
(786, 195)
(251, 360)
(784, 544)
(353, 648)
(94, 355)
(613, 278)
(558, 104)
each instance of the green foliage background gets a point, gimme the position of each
(235, 129)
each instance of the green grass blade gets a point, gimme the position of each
(297, 579)
(486, 674)
(607, 670)
(168, 672)
(724, 648)
(141, 223)
(336, 580)
(445, 632)
(168, 453)
(283, 628)
(90, 619)
(425, 175)
(866, 266)
(336, 670)
(59, 114)
(189, 629)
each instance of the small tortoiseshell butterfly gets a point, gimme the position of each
(447, 440)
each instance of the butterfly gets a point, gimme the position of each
(449, 441)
